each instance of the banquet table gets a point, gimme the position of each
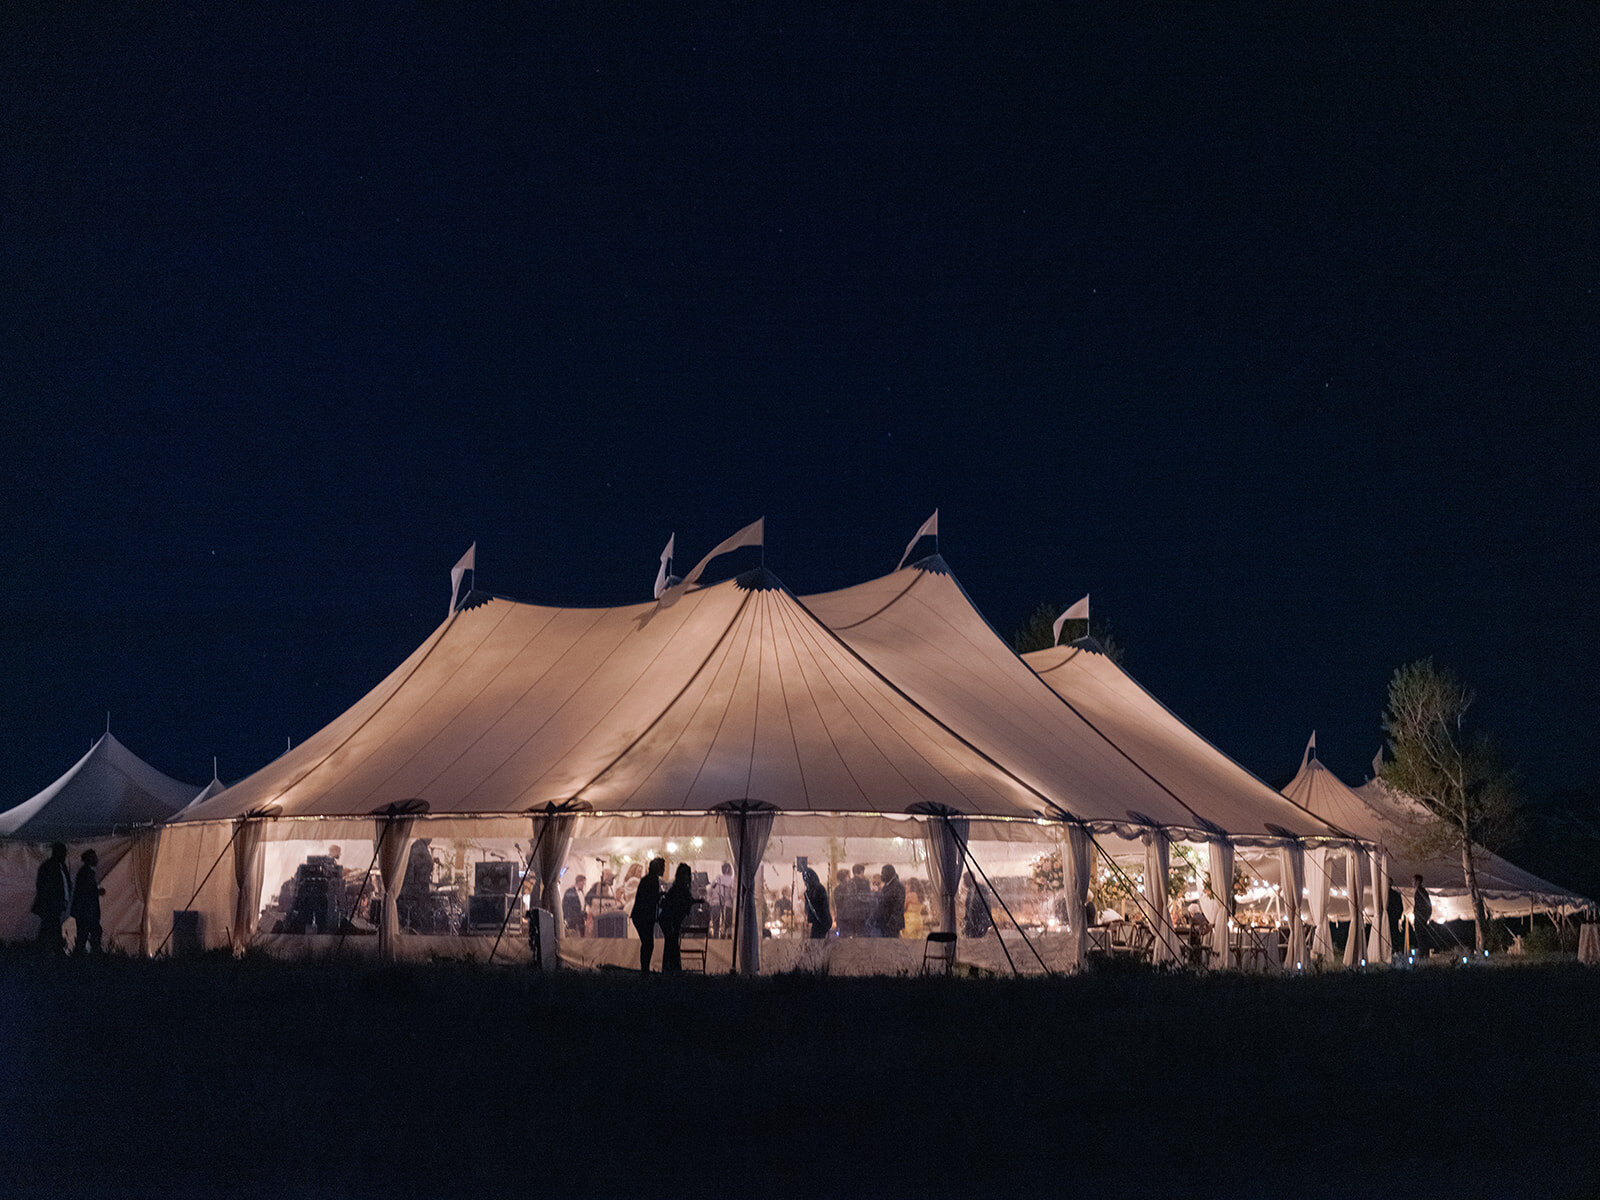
(1255, 949)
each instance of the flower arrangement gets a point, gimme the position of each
(1047, 874)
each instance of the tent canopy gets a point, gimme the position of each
(109, 786)
(919, 627)
(731, 693)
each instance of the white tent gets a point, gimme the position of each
(94, 805)
(110, 786)
(1378, 813)
(730, 720)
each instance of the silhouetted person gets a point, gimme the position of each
(976, 921)
(646, 906)
(572, 907)
(1396, 913)
(1421, 914)
(891, 904)
(86, 893)
(675, 906)
(52, 892)
(818, 915)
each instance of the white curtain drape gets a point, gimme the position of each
(748, 831)
(1292, 877)
(552, 834)
(1352, 874)
(142, 854)
(394, 853)
(1218, 907)
(1380, 946)
(1076, 878)
(1157, 854)
(1320, 893)
(248, 856)
(945, 837)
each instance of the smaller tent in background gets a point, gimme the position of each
(101, 798)
(1380, 814)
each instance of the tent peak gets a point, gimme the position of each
(758, 579)
(934, 564)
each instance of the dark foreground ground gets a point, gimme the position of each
(259, 1078)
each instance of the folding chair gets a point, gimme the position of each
(695, 936)
(939, 951)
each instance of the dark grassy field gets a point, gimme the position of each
(260, 1078)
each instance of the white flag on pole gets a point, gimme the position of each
(1377, 764)
(1078, 612)
(666, 557)
(469, 562)
(753, 534)
(930, 528)
(1311, 749)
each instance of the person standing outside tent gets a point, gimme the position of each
(675, 906)
(818, 914)
(52, 895)
(1421, 914)
(86, 893)
(646, 907)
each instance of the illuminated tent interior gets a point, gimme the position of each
(96, 804)
(1379, 814)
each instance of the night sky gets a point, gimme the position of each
(1273, 326)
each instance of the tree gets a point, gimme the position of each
(1457, 774)
(1038, 633)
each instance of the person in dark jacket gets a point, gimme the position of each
(675, 906)
(52, 894)
(1397, 912)
(572, 907)
(646, 907)
(891, 904)
(86, 893)
(1421, 914)
(818, 914)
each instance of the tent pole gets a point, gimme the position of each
(200, 885)
(966, 853)
(522, 883)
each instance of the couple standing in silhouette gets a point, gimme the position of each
(56, 895)
(652, 908)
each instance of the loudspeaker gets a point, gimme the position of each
(491, 878)
(187, 932)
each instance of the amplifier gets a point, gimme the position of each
(487, 912)
(495, 878)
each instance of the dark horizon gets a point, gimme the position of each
(1273, 331)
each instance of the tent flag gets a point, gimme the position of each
(666, 557)
(753, 534)
(1377, 764)
(1311, 750)
(1078, 612)
(469, 562)
(930, 528)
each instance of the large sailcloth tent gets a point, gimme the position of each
(99, 803)
(523, 751)
(1380, 814)
(1117, 705)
